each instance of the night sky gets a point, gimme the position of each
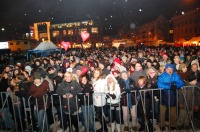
(17, 15)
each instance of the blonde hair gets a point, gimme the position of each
(161, 68)
(112, 88)
(100, 73)
(108, 86)
(114, 82)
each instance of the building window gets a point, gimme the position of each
(77, 24)
(70, 32)
(85, 23)
(69, 25)
(11, 43)
(94, 30)
(64, 32)
(55, 33)
(170, 31)
(25, 42)
(91, 23)
(83, 29)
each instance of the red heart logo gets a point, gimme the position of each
(65, 45)
(84, 35)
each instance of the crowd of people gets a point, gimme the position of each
(119, 81)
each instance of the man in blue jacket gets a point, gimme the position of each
(169, 81)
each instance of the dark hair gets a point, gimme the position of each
(80, 80)
(141, 78)
(49, 69)
(26, 72)
(116, 71)
(20, 77)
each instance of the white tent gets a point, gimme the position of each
(46, 46)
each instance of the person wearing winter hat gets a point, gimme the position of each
(76, 72)
(164, 60)
(113, 98)
(38, 90)
(65, 65)
(28, 69)
(169, 80)
(118, 63)
(192, 93)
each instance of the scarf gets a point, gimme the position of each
(129, 101)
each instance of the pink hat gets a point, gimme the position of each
(164, 54)
(117, 60)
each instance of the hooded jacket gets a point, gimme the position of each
(116, 90)
(164, 82)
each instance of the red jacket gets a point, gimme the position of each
(38, 92)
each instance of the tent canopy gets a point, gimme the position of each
(43, 49)
(46, 46)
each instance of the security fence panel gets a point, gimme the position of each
(138, 110)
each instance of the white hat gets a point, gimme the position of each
(28, 69)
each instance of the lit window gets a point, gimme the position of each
(55, 33)
(69, 25)
(64, 32)
(83, 29)
(70, 32)
(85, 23)
(77, 24)
(91, 23)
(170, 31)
(94, 30)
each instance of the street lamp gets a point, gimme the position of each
(2, 29)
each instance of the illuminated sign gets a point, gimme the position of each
(3, 45)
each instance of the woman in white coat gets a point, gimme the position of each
(99, 97)
(113, 99)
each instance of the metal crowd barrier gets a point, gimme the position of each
(47, 113)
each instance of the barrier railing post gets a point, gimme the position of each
(53, 113)
(188, 112)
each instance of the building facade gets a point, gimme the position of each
(186, 26)
(23, 45)
(154, 32)
(41, 31)
(71, 32)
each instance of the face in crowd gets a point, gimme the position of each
(68, 77)
(124, 76)
(96, 73)
(194, 68)
(169, 71)
(110, 80)
(138, 66)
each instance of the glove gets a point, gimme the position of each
(173, 87)
(128, 90)
(17, 93)
(107, 96)
(113, 96)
